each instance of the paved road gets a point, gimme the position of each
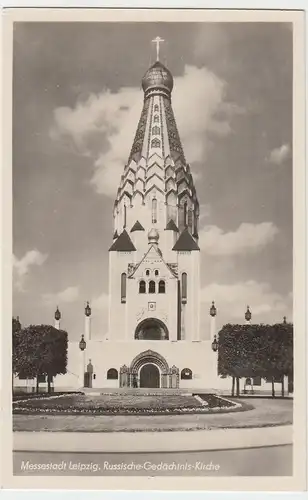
(267, 461)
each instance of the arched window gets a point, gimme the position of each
(155, 130)
(156, 118)
(156, 272)
(186, 374)
(123, 288)
(112, 374)
(147, 273)
(161, 286)
(142, 286)
(156, 107)
(184, 287)
(152, 287)
(155, 143)
(154, 211)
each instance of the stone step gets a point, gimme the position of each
(143, 391)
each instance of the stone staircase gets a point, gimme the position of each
(143, 391)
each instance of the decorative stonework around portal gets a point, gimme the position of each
(129, 376)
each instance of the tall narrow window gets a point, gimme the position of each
(152, 287)
(161, 287)
(124, 219)
(184, 288)
(195, 223)
(123, 288)
(190, 218)
(154, 211)
(142, 286)
(156, 107)
(185, 214)
(156, 118)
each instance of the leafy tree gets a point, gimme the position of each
(16, 328)
(41, 350)
(256, 350)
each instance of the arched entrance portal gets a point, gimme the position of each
(151, 329)
(149, 368)
(149, 376)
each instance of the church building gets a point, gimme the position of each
(153, 335)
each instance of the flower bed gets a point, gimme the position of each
(79, 404)
(214, 401)
(24, 396)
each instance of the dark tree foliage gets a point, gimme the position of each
(40, 350)
(256, 350)
(16, 328)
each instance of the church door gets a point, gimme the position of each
(149, 376)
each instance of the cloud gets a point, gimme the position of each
(232, 299)
(99, 306)
(67, 295)
(247, 238)
(280, 155)
(103, 126)
(21, 267)
(100, 302)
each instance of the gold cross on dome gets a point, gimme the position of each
(157, 41)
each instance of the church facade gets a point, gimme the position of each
(153, 335)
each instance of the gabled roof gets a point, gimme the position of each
(171, 226)
(154, 253)
(185, 243)
(137, 227)
(122, 244)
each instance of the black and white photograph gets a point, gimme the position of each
(154, 181)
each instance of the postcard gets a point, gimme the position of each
(154, 226)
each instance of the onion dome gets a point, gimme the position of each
(157, 77)
(153, 236)
(57, 315)
(248, 314)
(87, 310)
(213, 310)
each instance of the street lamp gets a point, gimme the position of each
(248, 315)
(213, 310)
(82, 343)
(215, 344)
(82, 347)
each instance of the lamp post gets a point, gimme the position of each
(213, 313)
(248, 316)
(215, 344)
(87, 325)
(57, 318)
(82, 347)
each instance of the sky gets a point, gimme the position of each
(77, 99)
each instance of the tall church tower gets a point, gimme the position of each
(154, 258)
